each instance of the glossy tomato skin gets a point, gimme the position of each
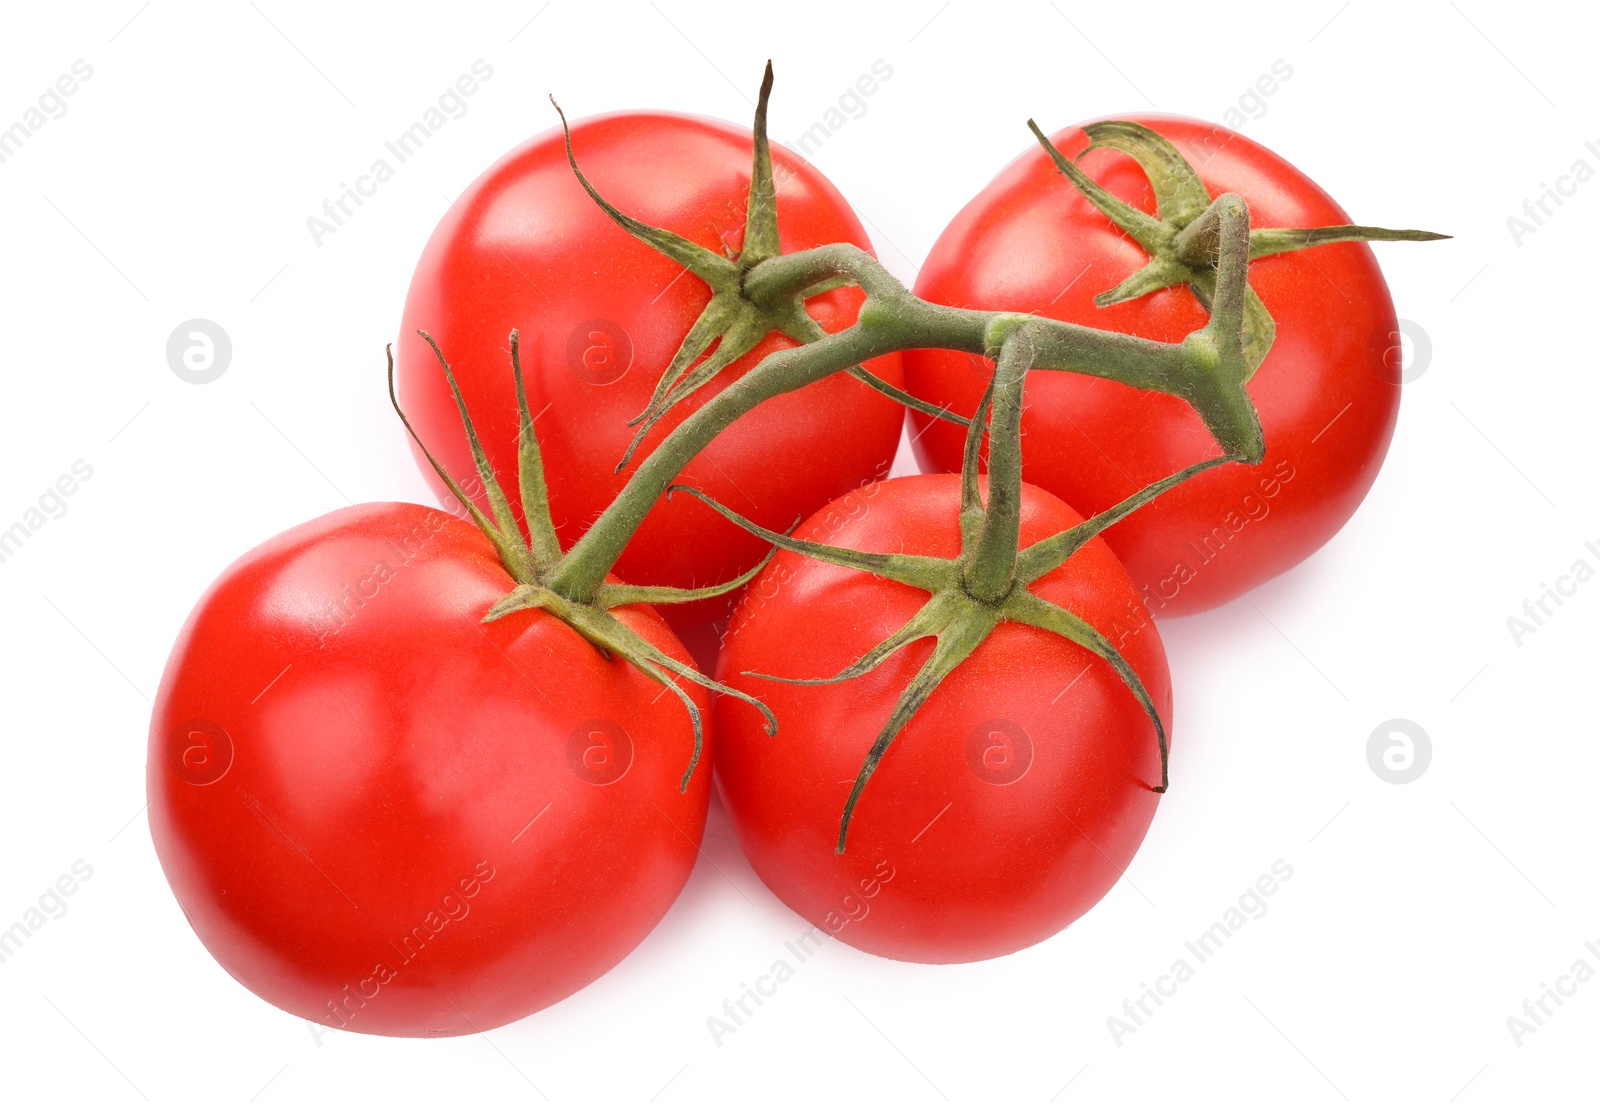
(601, 316)
(1014, 798)
(1328, 392)
(379, 814)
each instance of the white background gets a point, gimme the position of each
(1419, 917)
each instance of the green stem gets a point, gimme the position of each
(892, 319)
(971, 457)
(588, 562)
(992, 566)
(780, 278)
(1228, 247)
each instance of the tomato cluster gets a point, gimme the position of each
(424, 772)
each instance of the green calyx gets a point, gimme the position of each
(1178, 239)
(987, 583)
(534, 561)
(735, 320)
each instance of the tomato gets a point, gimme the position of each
(1016, 795)
(1327, 393)
(382, 815)
(601, 316)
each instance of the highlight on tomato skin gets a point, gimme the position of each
(1015, 797)
(525, 246)
(382, 815)
(1327, 394)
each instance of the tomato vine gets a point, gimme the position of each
(1195, 240)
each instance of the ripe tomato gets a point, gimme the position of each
(1328, 392)
(379, 814)
(601, 316)
(1014, 798)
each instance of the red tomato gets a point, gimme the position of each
(379, 814)
(602, 314)
(1328, 393)
(1014, 798)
